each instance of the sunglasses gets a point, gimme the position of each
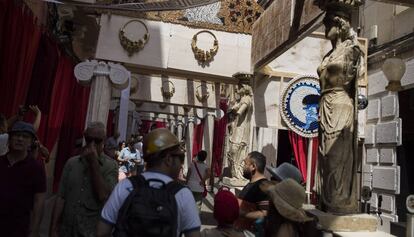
(94, 139)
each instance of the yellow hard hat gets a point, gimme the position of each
(158, 140)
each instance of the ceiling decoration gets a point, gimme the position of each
(139, 5)
(235, 16)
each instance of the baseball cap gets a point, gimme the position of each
(21, 126)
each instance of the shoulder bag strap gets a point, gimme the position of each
(199, 175)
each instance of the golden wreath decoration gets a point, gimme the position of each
(202, 97)
(133, 46)
(201, 55)
(168, 92)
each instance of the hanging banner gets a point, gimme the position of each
(300, 105)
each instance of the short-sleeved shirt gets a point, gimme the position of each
(129, 156)
(18, 184)
(187, 217)
(251, 198)
(82, 207)
(253, 194)
(193, 181)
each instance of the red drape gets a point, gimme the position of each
(43, 75)
(145, 126)
(299, 147)
(198, 138)
(160, 124)
(72, 128)
(20, 41)
(61, 99)
(110, 124)
(218, 142)
(300, 150)
(315, 149)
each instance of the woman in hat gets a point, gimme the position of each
(286, 216)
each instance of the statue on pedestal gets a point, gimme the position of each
(239, 134)
(338, 74)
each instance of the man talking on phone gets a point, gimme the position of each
(86, 183)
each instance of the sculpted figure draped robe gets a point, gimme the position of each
(240, 133)
(337, 159)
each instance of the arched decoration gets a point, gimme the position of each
(202, 56)
(130, 45)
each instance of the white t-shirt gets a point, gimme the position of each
(193, 181)
(4, 141)
(138, 146)
(187, 217)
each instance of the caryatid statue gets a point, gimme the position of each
(239, 134)
(338, 74)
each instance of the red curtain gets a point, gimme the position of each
(300, 150)
(299, 147)
(20, 41)
(198, 138)
(110, 124)
(315, 149)
(160, 124)
(145, 126)
(218, 142)
(72, 128)
(61, 98)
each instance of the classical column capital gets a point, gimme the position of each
(118, 74)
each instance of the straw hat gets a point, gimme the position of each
(288, 197)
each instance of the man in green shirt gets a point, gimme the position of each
(86, 183)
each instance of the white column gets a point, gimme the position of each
(99, 100)
(189, 141)
(101, 76)
(208, 137)
(123, 111)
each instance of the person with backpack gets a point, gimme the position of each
(197, 176)
(153, 203)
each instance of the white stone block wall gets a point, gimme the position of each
(382, 136)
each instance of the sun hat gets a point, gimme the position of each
(284, 171)
(21, 126)
(226, 207)
(288, 197)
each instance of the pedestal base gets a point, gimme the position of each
(233, 182)
(343, 223)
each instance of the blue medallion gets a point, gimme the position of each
(300, 105)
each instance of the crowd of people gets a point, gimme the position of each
(133, 189)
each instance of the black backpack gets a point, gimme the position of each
(148, 211)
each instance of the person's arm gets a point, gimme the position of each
(255, 214)
(187, 177)
(242, 109)
(206, 175)
(103, 229)
(56, 216)
(44, 152)
(100, 188)
(121, 155)
(38, 114)
(37, 213)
